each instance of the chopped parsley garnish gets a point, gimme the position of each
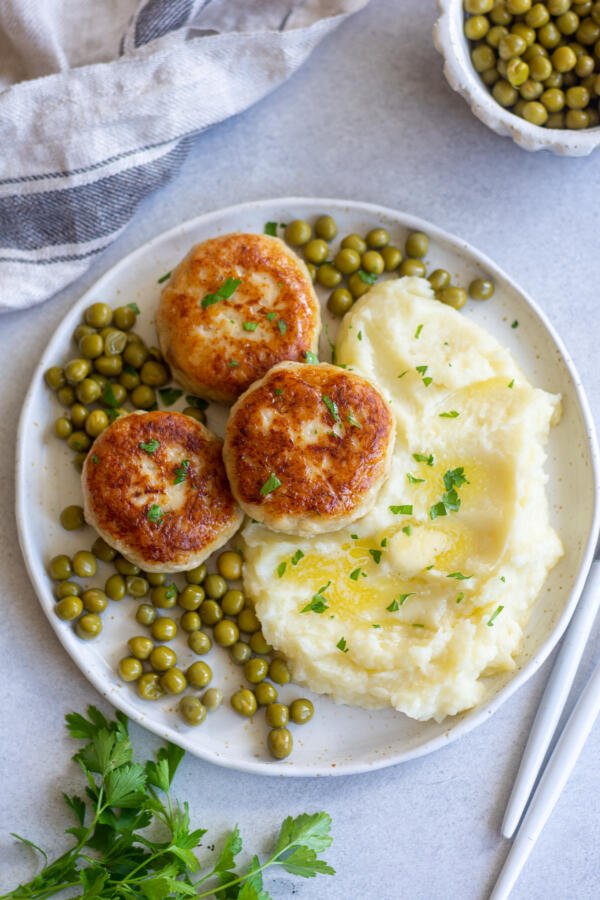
(331, 406)
(402, 374)
(95, 459)
(135, 307)
(417, 625)
(171, 591)
(450, 501)
(318, 604)
(311, 358)
(108, 396)
(270, 485)
(298, 555)
(515, 324)
(383, 543)
(422, 370)
(278, 392)
(376, 554)
(227, 289)
(458, 576)
(421, 457)
(164, 278)
(495, 615)
(399, 601)
(407, 530)
(355, 574)
(342, 645)
(427, 381)
(438, 509)
(282, 326)
(453, 478)
(502, 578)
(359, 336)
(281, 569)
(271, 316)
(249, 326)
(393, 607)
(412, 480)
(418, 331)
(452, 414)
(181, 472)
(367, 277)
(154, 514)
(169, 396)
(375, 625)
(233, 363)
(353, 420)
(271, 228)
(129, 369)
(511, 383)
(460, 597)
(198, 402)
(354, 537)
(150, 446)
(403, 510)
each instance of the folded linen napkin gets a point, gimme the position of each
(99, 104)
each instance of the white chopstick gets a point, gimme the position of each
(554, 699)
(553, 780)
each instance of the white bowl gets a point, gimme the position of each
(450, 41)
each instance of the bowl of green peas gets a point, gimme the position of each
(529, 71)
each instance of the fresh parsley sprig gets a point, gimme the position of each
(114, 854)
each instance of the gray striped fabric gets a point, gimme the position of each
(97, 111)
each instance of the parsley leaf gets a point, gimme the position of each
(452, 414)
(407, 530)
(169, 395)
(418, 331)
(331, 406)
(282, 326)
(422, 457)
(154, 514)
(342, 645)
(164, 278)
(271, 228)
(458, 576)
(355, 574)
(438, 509)
(454, 478)
(319, 602)
(376, 554)
(270, 485)
(181, 472)
(150, 446)
(298, 555)
(367, 277)
(352, 420)
(515, 324)
(135, 307)
(249, 326)
(460, 597)
(311, 358)
(403, 510)
(495, 615)
(281, 569)
(412, 480)
(108, 396)
(227, 289)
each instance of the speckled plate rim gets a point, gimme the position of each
(461, 725)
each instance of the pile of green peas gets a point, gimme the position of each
(360, 261)
(540, 60)
(114, 372)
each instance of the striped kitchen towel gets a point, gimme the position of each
(99, 104)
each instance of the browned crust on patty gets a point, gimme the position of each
(208, 349)
(121, 482)
(328, 478)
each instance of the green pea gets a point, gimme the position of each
(417, 245)
(478, 7)
(298, 233)
(145, 614)
(88, 391)
(326, 228)
(277, 715)
(577, 119)
(210, 612)
(357, 286)
(115, 587)
(84, 564)
(212, 698)
(63, 428)
(549, 36)
(248, 621)
(312, 271)
(135, 354)
(240, 653)
(162, 658)
(96, 422)
(553, 100)
(71, 518)
(504, 93)
(517, 72)
(163, 629)
(54, 377)
(531, 90)
(164, 597)
(60, 568)
(372, 262)
(481, 289)
(232, 602)
(190, 621)
(556, 120)
(584, 66)
(143, 397)
(265, 693)
(130, 668)
(191, 597)
(483, 58)
(537, 16)
(524, 31)
(194, 413)
(476, 28)
(79, 460)
(511, 46)
(124, 317)
(111, 366)
(98, 315)
(577, 97)
(199, 674)
(316, 251)
(378, 238)
(339, 302)
(226, 633)
(279, 672)
(155, 579)
(140, 646)
(392, 257)
(199, 642)
(124, 567)
(413, 268)
(328, 276)
(215, 586)
(354, 242)
(88, 626)
(94, 600)
(535, 112)
(173, 681)
(129, 380)
(244, 702)
(66, 395)
(256, 670)
(493, 38)
(439, 279)
(455, 297)
(67, 589)
(76, 370)
(192, 711)
(91, 346)
(229, 565)
(347, 261)
(69, 608)
(259, 644)
(149, 687)
(154, 374)
(301, 711)
(280, 742)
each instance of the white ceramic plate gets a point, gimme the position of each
(339, 739)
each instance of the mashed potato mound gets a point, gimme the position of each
(420, 600)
